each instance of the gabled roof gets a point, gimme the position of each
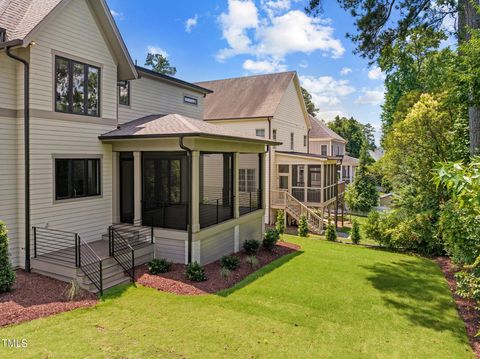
(245, 97)
(174, 125)
(321, 131)
(169, 79)
(23, 18)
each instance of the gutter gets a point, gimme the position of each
(26, 142)
(190, 204)
(269, 119)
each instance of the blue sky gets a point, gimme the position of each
(209, 40)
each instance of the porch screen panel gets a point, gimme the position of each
(165, 190)
(249, 183)
(314, 183)
(216, 188)
(298, 182)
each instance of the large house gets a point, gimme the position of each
(88, 140)
(299, 180)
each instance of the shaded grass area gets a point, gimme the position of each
(347, 228)
(330, 301)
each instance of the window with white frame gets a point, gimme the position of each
(246, 180)
(274, 134)
(304, 141)
(190, 100)
(292, 141)
(260, 132)
(323, 150)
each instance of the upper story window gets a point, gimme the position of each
(274, 134)
(75, 178)
(260, 132)
(292, 141)
(323, 150)
(304, 141)
(190, 100)
(77, 87)
(124, 93)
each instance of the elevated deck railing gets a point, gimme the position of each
(90, 264)
(122, 251)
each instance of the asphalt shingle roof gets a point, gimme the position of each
(321, 130)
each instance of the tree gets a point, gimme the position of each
(303, 226)
(280, 222)
(311, 108)
(381, 24)
(330, 232)
(355, 133)
(355, 235)
(160, 64)
(7, 275)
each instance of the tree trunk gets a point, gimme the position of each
(468, 17)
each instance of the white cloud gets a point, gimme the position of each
(372, 97)
(303, 64)
(117, 15)
(156, 50)
(329, 115)
(275, 36)
(191, 23)
(345, 71)
(376, 74)
(326, 89)
(263, 66)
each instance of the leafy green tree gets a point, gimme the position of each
(311, 108)
(7, 275)
(380, 25)
(355, 133)
(303, 226)
(280, 222)
(160, 64)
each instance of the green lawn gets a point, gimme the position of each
(361, 221)
(328, 301)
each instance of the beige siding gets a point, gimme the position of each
(171, 249)
(8, 80)
(251, 230)
(73, 32)
(316, 147)
(214, 247)
(150, 96)
(289, 118)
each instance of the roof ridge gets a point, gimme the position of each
(186, 122)
(251, 76)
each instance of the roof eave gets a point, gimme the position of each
(11, 43)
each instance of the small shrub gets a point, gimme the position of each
(7, 275)
(252, 261)
(230, 262)
(225, 273)
(280, 222)
(303, 226)
(330, 232)
(251, 246)
(157, 266)
(271, 238)
(355, 234)
(195, 272)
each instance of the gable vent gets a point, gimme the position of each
(3, 35)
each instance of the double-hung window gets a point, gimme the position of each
(323, 150)
(124, 93)
(260, 132)
(246, 181)
(75, 178)
(77, 87)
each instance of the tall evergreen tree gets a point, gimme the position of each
(311, 108)
(160, 64)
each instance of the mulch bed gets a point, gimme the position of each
(175, 281)
(466, 307)
(35, 296)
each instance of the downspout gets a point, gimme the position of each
(190, 204)
(269, 168)
(308, 140)
(26, 143)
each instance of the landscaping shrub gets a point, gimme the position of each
(251, 246)
(195, 272)
(280, 222)
(303, 226)
(355, 234)
(230, 262)
(7, 275)
(225, 273)
(252, 261)
(157, 266)
(331, 232)
(270, 239)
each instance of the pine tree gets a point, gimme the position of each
(330, 232)
(7, 275)
(280, 222)
(355, 234)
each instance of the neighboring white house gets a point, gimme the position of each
(324, 141)
(92, 161)
(272, 106)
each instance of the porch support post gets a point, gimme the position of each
(322, 184)
(195, 191)
(236, 192)
(115, 188)
(137, 192)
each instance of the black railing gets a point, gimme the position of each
(164, 215)
(136, 236)
(122, 251)
(214, 211)
(55, 244)
(250, 201)
(90, 263)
